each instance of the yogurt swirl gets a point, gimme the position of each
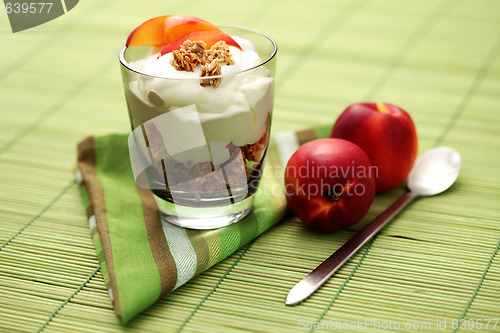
(234, 112)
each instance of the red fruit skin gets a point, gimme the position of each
(306, 170)
(388, 138)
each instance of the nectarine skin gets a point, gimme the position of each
(387, 135)
(329, 184)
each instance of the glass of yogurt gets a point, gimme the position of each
(198, 140)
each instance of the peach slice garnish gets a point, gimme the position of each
(177, 26)
(149, 33)
(210, 37)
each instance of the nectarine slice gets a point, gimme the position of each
(209, 37)
(149, 33)
(177, 26)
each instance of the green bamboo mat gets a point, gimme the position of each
(436, 261)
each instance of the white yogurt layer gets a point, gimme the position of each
(236, 111)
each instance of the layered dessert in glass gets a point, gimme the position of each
(200, 99)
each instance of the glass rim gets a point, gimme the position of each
(124, 63)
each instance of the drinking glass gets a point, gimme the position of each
(201, 149)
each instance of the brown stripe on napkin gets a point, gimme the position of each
(306, 136)
(87, 166)
(157, 242)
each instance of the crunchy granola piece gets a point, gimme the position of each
(220, 52)
(190, 55)
(181, 61)
(197, 47)
(218, 55)
(212, 68)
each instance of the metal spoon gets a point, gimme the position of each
(433, 173)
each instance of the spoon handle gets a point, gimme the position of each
(320, 274)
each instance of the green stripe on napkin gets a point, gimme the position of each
(143, 258)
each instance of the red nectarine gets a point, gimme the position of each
(329, 184)
(387, 135)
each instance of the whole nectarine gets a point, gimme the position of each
(387, 135)
(329, 184)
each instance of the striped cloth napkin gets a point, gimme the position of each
(143, 258)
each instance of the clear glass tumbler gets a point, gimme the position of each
(201, 149)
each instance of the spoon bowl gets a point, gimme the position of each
(435, 171)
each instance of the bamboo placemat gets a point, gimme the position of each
(436, 261)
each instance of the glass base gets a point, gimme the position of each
(203, 217)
